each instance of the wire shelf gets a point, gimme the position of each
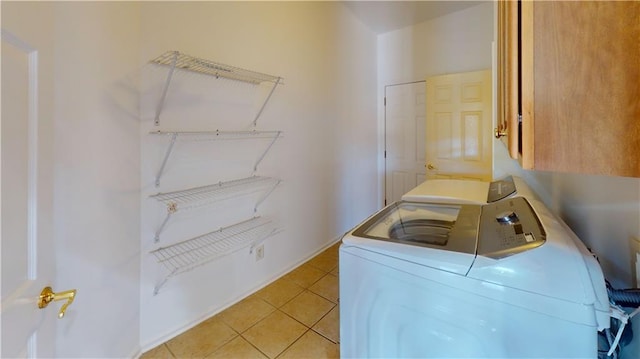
(200, 196)
(212, 136)
(176, 60)
(181, 61)
(217, 135)
(192, 253)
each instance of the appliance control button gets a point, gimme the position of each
(507, 217)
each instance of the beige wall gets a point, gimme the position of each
(457, 42)
(97, 176)
(326, 158)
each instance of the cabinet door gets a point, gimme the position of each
(580, 86)
(508, 75)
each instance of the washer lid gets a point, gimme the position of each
(450, 227)
(449, 191)
(441, 236)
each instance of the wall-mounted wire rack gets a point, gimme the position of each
(201, 196)
(180, 61)
(189, 254)
(213, 136)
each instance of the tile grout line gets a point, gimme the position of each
(295, 341)
(298, 338)
(312, 283)
(169, 350)
(225, 343)
(335, 305)
(316, 322)
(262, 319)
(255, 347)
(324, 336)
(331, 300)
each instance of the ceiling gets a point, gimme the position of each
(384, 16)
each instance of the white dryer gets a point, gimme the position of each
(443, 280)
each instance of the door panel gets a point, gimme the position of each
(458, 126)
(471, 135)
(17, 191)
(26, 244)
(399, 183)
(404, 140)
(15, 115)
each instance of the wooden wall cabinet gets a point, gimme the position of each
(569, 85)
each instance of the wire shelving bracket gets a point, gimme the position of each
(192, 253)
(176, 60)
(201, 196)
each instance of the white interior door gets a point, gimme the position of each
(459, 123)
(25, 178)
(404, 138)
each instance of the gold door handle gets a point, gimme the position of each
(499, 132)
(47, 296)
(431, 167)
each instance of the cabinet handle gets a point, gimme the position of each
(499, 132)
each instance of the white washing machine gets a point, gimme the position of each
(443, 280)
(467, 191)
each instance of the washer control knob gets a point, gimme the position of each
(507, 217)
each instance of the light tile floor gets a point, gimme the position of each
(296, 316)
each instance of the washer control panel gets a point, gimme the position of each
(508, 227)
(508, 217)
(501, 189)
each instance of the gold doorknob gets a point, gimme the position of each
(499, 132)
(47, 296)
(431, 167)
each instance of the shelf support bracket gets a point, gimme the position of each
(156, 289)
(171, 209)
(166, 157)
(264, 197)
(264, 104)
(255, 167)
(166, 87)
